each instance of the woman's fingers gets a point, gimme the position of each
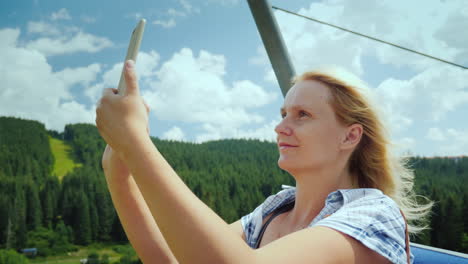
(130, 78)
(106, 93)
(122, 116)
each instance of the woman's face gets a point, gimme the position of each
(309, 135)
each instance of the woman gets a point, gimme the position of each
(330, 140)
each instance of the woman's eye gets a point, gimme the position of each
(303, 113)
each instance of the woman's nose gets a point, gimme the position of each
(283, 128)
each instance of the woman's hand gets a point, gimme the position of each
(122, 119)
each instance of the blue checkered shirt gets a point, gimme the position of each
(365, 214)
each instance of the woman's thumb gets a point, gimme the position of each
(131, 79)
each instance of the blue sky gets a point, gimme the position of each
(204, 72)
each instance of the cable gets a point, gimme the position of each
(369, 37)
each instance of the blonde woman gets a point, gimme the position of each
(348, 205)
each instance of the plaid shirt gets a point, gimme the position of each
(365, 214)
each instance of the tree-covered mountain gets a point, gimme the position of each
(230, 176)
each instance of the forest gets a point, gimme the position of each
(38, 209)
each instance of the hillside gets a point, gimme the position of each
(63, 163)
(230, 176)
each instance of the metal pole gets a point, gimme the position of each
(273, 42)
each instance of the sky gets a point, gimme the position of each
(205, 74)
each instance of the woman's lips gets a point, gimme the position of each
(282, 145)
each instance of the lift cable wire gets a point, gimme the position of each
(369, 37)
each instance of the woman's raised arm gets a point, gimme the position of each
(136, 218)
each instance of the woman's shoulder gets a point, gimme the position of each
(372, 202)
(364, 196)
(371, 217)
(369, 208)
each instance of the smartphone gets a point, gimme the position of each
(132, 52)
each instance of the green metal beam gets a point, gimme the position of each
(273, 42)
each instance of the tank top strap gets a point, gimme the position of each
(282, 209)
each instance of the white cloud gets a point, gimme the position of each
(265, 131)
(430, 30)
(173, 12)
(175, 133)
(311, 45)
(257, 96)
(145, 67)
(57, 39)
(165, 23)
(71, 112)
(191, 89)
(80, 42)
(435, 134)
(43, 28)
(453, 32)
(88, 19)
(437, 29)
(223, 2)
(168, 20)
(136, 15)
(79, 75)
(109, 79)
(147, 63)
(404, 145)
(430, 95)
(32, 90)
(261, 59)
(459, 143)
(62, 14)
(449, 141)
(188, 7)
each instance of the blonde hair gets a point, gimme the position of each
(373, 162)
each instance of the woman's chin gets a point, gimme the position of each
(285, 164)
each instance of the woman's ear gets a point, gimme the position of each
(353, 135)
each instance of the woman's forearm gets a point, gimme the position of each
(137, 221)
(193, 231)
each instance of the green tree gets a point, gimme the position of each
(83, 233)
(63, 237)
(453, 225)
(231, 176)
(33, 206)
(105, 259)
(93, 258)
(11, 257)
(49, 197)
(5, 209)
(19, 218)
(42, 239)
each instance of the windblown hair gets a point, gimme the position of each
(373, 162)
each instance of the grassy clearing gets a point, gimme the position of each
(63, 162)
(82, 253)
